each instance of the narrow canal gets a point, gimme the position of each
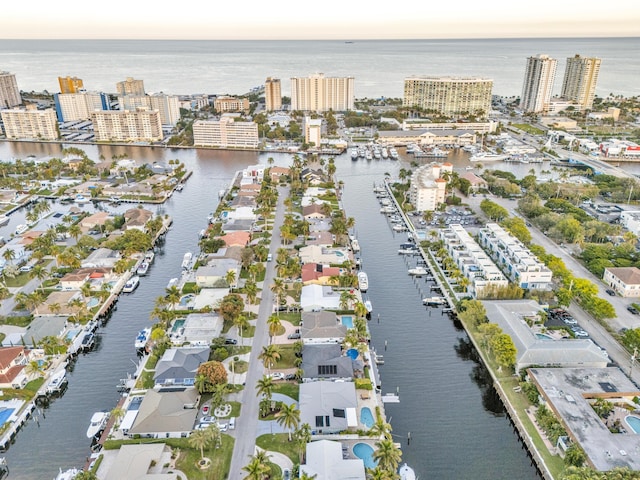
(457, 424)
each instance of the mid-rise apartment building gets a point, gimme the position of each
(79, 106)
(130, 86)
(428, 187)
(516, 261)
(30, 123)
(224, 104)
(449, 95)
(167, 105)
(140, 125)
(580, 79)
(70, 84)
(9, 91)
(318, 93)
(538, 83)
(313, 131)
(273, 94)
(473, 262)
(225, 133)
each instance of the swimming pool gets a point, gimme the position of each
(177, 325)
(347, 321)
(633, 422)
(5, 414)
(364, 451)
(92, 302)
(71, 334)
(543, 336)
(186, 299)
(366, 417)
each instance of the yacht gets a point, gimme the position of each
(385, 153)
(406, 473)
(363, 281)
(58, 379)
(355, 245)
(354, 154)
(98, 423)
(179, 187)
(131, 284)
(368, 155)
(186, 260)
(418, 271)
(81, 199)
(433, 301)
(393, 153)
(149, 256)
(20, 229)
(487, 157)
(142, 269)
(368, 306)
(172, 283)
(142, 338)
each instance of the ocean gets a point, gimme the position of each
(378, 66)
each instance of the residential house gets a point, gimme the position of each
(169, 413)
(624, 280)
(477, 183)
(326, 361)
(137, 218)
(40, 327)
(276, 173)
(323, 239)
(315, 273)
(59, 303)
(327, 256)
(321, 327)
(141, 462)
(101, 258)
(236, 239)
(75, 280)
(328, 407)
(315, 210)
(196, 329)
(178, 366)
(12, 363)
(214, 275)
(325, 461)
(253, 174)
(96, 220)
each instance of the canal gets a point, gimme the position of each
(458, 426)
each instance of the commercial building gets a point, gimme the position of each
(272, 94)
(225, 133)
(318, 93)
(624, 280)
(313, 131)
(515, 260)
(428, 188)
(580, 79)
(79, 106)
(425, 124)
(225, 104)
(167, 105)
(538, 83)
(140, 125)
(474, 263)
(9, 91)
(130, 86)
(30, 124)
(449, 95)
(70, 84)
(630, 220)
(448, 138)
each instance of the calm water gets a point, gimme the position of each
(234, 67)
(457, 424)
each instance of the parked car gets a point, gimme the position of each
(633, 310)
(277, 376)
(290, 376)
(230, 341)
(232, 423)
(570, 320)
(205, 409)
(286, 474)
(293, 336)
(581, 333)
(610, 292)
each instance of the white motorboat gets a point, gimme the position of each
(58, 379)
(4, 220)
(81, 199)
(487, 157)
(98, 422)
(142, 269)
(363, 281)
(399, 228)
(20, 229)
(393, 153)
(385, 153)
(409, 251)
(69, 474)
(355, 245)
(434, 301)
(368, 306)
(131, 284)
(202, 233)
(186, 260)
(354, 154)
(418, 271)
(172, 283)
(142, 338)
(149, 256)
(179, 187)
(406, 473)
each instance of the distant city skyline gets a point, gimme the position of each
(332, 19)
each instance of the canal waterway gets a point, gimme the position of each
(457, 424)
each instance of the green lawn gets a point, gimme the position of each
(17, 321)
(26, 393)
(291, 390)
(287, 357)
(525, 127)
(292, 318)
(279, 442)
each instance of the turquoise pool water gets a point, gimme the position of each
(347, 321)
(633, 422)
(186, 299)
(5, 413)
(542, 336)
(71, 334)
(177, 325)
(364, 451)
(366, 417)
(93, 301)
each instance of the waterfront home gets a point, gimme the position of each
(624, 280)
(313, 177)
(98, 219)
(196, 328)
(241, 213)
(476, 182)
(137, 218)
(319, 225)
(58, 303)
(322, 239)
(236, 239)
(325, 461)
(101, 258)
(247, 201)
(326, 256)
(315, 298)
(318, 274)
(253, 174)
(40, 327)
(245, 225)
(214, 274)
(166, 414)
(75, 280)
(328, 407)
(326, 361)
(178, 366)
(276, 173)
(249, 190)
(321, 327)
(142, 462)
(539, 349)
(12, 363)
(313, 211)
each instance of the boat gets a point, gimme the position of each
(354, 154)
(385, 153)
(142, 269)
(202, 233)
(434, 301)
(131, 284)
(58, 379)
(418, 271)
(69, 474)
(20, 229)
(368, 155)
(355, 245)
(179, 187)
(172, 283)
(378, 359)
(114, 199)
(88, 341)
(81, 199)
(4, 220)
(142, 338)
(66, 199)
(393, 153)
(409, 251)
(487, 157)
(98, 422)
(406, 473)
(186, 260)
(363, 281)
(399, 228)
(149, 256)
(368, 306)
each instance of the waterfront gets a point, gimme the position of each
(457, 424)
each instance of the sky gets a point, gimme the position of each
(325, 19)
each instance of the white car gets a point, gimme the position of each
(277, 376)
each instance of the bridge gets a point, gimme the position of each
(598, 166)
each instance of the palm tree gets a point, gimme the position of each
(387, 455)
(9, 255)
(278, 290)
(40, 273)
(75, 231)
(360, 310)
(251, 291)
(199, 439)
(380, 428)
(213, 431)
(346, 297)
(173, 296)
(288, 417)
(274, 326)
(33, 368)
(380, 474)
(256, 469)
(264, 387)
(302, 436)
(241, 321)
(269, 356)
(230, 278)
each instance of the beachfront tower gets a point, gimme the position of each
(272, 94)
(538, 83)
(130, 86)
(9, 91)
(580, 79)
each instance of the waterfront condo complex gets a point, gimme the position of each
(272, 94)
(141, 125)
(428, 187)
(449, 95)
(225, 133)
(318, 93)
(580, 79)
(30, 123)
(9, 91)
(79, 106)
(538, 83)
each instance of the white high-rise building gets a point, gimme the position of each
(78, 106)
(580, 79)
(313, 131)
(318, 93)
(9, 91)
(225, 133)
(538, 83)
(449, 95)
(140, 125)
(30, 123)
(428, 187)
(167, 105)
